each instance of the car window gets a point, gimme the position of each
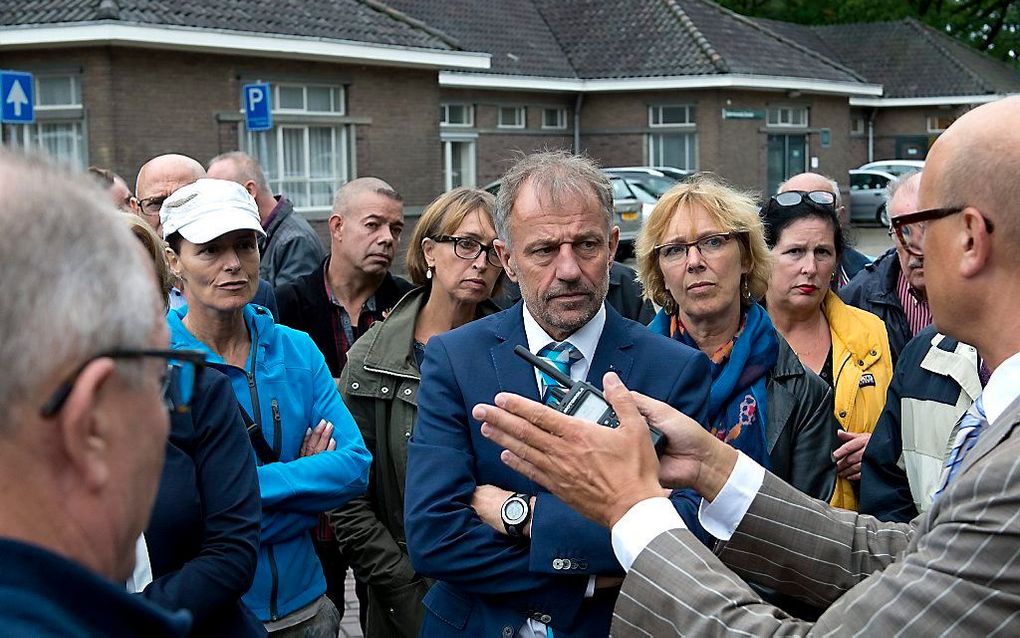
(620, 189)
(858, 182)
(641, 191)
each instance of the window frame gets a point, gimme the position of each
(655, 148)
(28, 136)
(658, 109)
(444, 115)
(789, 110)
(928, 121)
(561, 118)
(520, 117)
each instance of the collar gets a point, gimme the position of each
(586, 338)
(369, 305)
(277, 211)
(1003, 388)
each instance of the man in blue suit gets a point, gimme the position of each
(510, 559)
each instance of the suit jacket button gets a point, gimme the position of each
(545, 619)
(557, 563)
(582, 564)
(573, 564)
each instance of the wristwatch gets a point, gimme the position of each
(515, 512)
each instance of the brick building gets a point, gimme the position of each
(430, 94)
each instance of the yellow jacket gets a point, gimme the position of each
(861, 371)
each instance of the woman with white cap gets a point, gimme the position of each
(311, 457)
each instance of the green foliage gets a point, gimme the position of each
(992, 26)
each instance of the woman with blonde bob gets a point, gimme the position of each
(702, 257)
(451, 258)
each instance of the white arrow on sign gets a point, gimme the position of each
(17, 97)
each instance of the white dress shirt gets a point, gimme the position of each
(646, 520)
(586, 340)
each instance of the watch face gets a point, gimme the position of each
(514, 510)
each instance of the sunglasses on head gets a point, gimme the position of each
(793, 198)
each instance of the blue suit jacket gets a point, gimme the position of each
(487, 583)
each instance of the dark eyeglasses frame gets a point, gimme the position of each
(490, 251)
(142, 203)
(696, 243)
(923, 216)
(63, 391)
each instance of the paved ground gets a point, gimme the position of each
(350, 627)
(872, 241)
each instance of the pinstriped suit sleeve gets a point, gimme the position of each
(956, 570)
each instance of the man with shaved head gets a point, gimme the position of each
(951, 571)
(290, 249)
(853, 261)
(157, 179)
(342, 297)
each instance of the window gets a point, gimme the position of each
(671, 115)
(857, 125)
(939, 123)
(59, 128)
(512, 117)
(554, 118)
(788, 116)
(677, 150)
(456, 115)
(458, 163)
(305, 160)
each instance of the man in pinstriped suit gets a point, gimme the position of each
(955, 570)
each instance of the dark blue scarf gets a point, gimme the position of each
(738, 401)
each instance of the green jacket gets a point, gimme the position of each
(379, 385)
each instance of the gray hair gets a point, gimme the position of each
(72, 279)
(246, 168)
(347, 193)
(554, 173)
(908, 181)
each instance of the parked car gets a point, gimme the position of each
(896, 168)
(654, 179)
(868, 196)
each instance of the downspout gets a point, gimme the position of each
(871, 134)
(577, 122)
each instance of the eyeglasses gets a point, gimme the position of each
(151, 205)
(793, 198)
(177, 384)
(909, 227)
(467, 248)
(677, 251)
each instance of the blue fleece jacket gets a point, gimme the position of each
(286, 388)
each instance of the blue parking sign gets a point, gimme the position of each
(257, 112)
(17, 97)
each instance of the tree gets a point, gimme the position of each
(992, 26)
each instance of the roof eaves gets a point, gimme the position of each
(413, 22)
(699, 38)
(796, 45)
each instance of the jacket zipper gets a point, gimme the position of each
(277, 427)
(275, 590)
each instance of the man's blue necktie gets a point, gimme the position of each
(967, 431)
(562, 356)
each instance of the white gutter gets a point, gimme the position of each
(453, 79)
(235, 42)
(926, 101)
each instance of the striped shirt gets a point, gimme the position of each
(917, 311)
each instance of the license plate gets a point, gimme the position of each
(629, 217)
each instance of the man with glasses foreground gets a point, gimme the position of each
(950, 571)
(510, 559)
(81, 448)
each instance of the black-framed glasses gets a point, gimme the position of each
(793, 198)
(177, 384)
(909, 227)
(677, 251)
(468, 248)
(152, 205)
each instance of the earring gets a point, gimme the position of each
(745, 289)
(428, 273)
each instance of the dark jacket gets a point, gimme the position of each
(46, 595)
(935, 381)
(305, 306)
(852, 262)
(874, 290)
(380, 387)
(203, 537)
(624, 294)
(291, 249)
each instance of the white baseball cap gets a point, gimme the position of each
(208, 208)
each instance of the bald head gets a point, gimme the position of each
(344, 202)
(808, 182)
(158, 178)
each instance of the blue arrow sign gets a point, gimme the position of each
(257, 113)
(17, 97)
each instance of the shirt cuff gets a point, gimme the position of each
(721, 517)
(589, 591)
(644, 521)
